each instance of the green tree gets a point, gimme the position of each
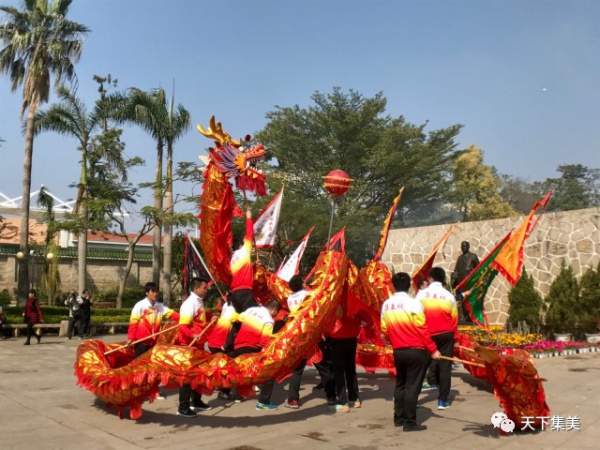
(578, 187)
(71, 118)
(525, 302)
(589, 316)
(518, 193)
(39, 42)
(344, 130)
(50, 275)
(166, 124)
(177, 123)
(475, 191)
(562, 302)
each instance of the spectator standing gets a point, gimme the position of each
(32, 316)
(73, 302)
(86, 313)
(2, 322)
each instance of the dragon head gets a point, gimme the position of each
(232, 159)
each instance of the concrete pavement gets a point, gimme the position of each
(41, 407)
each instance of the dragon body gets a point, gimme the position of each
(125, 381)
(122, 380)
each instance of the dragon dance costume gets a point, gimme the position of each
(123, 380)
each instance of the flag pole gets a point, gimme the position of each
(254, 239)
(330, 222)
(204, 265)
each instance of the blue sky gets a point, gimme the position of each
(522, 76)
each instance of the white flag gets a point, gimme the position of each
(292, 265)
(265, 226)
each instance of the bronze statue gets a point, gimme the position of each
(465, 264)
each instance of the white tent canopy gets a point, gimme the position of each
(12, 206)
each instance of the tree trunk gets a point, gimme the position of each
(83, 211)
(168, 250)
(82, 257)
(23, 263)
(156, 241)
(123, 282)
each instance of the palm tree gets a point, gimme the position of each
(146, 110)
(38, 42)
(177, 124)
(149, 110)
(70, 117)
(50, 275)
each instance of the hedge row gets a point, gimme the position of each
(54, 314)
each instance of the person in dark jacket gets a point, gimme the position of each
(32, 315)
(86, 313)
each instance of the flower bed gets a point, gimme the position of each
(546, 349)
(497, 337)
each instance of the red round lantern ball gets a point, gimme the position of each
(337, 182)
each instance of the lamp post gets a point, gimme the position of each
(21, 273)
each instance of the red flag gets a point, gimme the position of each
(423, 272)
(386, 227)
(509, 261)
(337, 242)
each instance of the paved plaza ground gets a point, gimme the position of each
(42, 408)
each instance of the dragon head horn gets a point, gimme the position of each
(215, 131)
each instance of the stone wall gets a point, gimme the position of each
(102, 274)
(571, 236)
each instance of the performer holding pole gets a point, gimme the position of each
(403, 322)
(241, 269)
(145, 320)
(442, 321)
(192, 321)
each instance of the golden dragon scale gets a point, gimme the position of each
(124, 381)
(217, 205)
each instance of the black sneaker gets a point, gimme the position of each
(201, 407)
(319, 387)
(186, 413)
(399, 422)
(413, 427)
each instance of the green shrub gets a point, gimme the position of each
(107, 319)
(525, 303)
(5, 297)
(131, 296)
(54, 314)
(589, 310)
(562, 302)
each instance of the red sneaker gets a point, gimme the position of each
(293, 404)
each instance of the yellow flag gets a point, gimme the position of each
(509, 262)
